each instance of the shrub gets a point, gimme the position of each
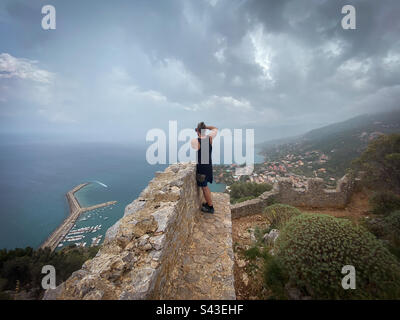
(275, 276)
(270, 201)
(386, 228)
(259, 234)
(313, 249)
(381, 163)
(392, 222)
(392, 232)
(247, 189)
(384, 202)
(374, 225)
(252, 253)
(242, 199)
(279, 214)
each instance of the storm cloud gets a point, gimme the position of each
(115, 69)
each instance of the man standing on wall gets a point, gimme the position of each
(204, 171)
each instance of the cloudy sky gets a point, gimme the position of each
(114, 69)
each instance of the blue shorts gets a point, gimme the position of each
(202, 184)
(204, 169)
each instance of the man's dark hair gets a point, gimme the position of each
(201, 126)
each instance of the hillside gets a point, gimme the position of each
(331, 149)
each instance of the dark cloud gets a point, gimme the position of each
(289, 62)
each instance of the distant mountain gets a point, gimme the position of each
(341, 142)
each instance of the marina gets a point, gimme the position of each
(67, 233)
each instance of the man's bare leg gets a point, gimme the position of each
(207, 195)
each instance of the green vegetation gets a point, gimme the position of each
(241, 191)
(243, 199)
(279, 214)
(381, 163)
(392, 232)
(313, 248)
(392, 222)
(260, 232)
(275, 276)
(386, 228)
(307, 258)
(384, 202)
(24, 266)
(253, 253)
(380, 168)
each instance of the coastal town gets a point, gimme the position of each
(297, 167)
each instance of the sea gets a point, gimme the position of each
(34, 178)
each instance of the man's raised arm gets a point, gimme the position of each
(213, 130)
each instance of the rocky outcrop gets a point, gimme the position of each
(141, 252)
(315, 195)
(270, 238)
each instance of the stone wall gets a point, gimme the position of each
(140, 250)
(315, 195)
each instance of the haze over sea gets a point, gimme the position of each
(34, 178)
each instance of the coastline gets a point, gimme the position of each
(75, 210)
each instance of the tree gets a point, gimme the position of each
(381, 163)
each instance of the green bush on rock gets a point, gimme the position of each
(313, 248)
(279, 214)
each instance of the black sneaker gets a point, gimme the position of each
(205, 204)
(206, 208)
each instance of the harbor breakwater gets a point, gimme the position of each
(75, 210)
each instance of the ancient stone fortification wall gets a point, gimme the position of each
(315, 196)
(140, 250)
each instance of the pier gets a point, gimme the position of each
(75, 210)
